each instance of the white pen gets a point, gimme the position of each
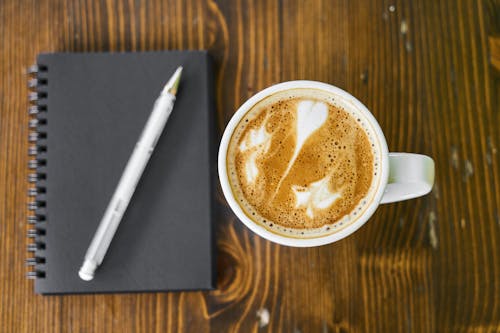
(130, 177)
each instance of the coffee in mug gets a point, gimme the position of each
(304, 163)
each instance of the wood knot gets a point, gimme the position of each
(234, 265)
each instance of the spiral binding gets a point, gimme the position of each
(37, 138)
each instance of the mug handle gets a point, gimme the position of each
(410, 176)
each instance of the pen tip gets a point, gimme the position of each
(173, 83)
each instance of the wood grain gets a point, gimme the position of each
(430, 73)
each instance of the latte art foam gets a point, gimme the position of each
(301, 164)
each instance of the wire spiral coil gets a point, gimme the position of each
(37, 163)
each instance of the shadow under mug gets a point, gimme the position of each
(403, 175)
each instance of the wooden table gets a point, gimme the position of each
(428, 70)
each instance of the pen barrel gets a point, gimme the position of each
(130, 178)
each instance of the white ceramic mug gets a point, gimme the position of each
(403, 175)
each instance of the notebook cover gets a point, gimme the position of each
(97, 107)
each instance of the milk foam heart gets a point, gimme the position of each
(310, 116)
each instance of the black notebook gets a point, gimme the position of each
(88, 111)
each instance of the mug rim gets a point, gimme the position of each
(262, 231)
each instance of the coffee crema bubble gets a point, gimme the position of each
(302, 164)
